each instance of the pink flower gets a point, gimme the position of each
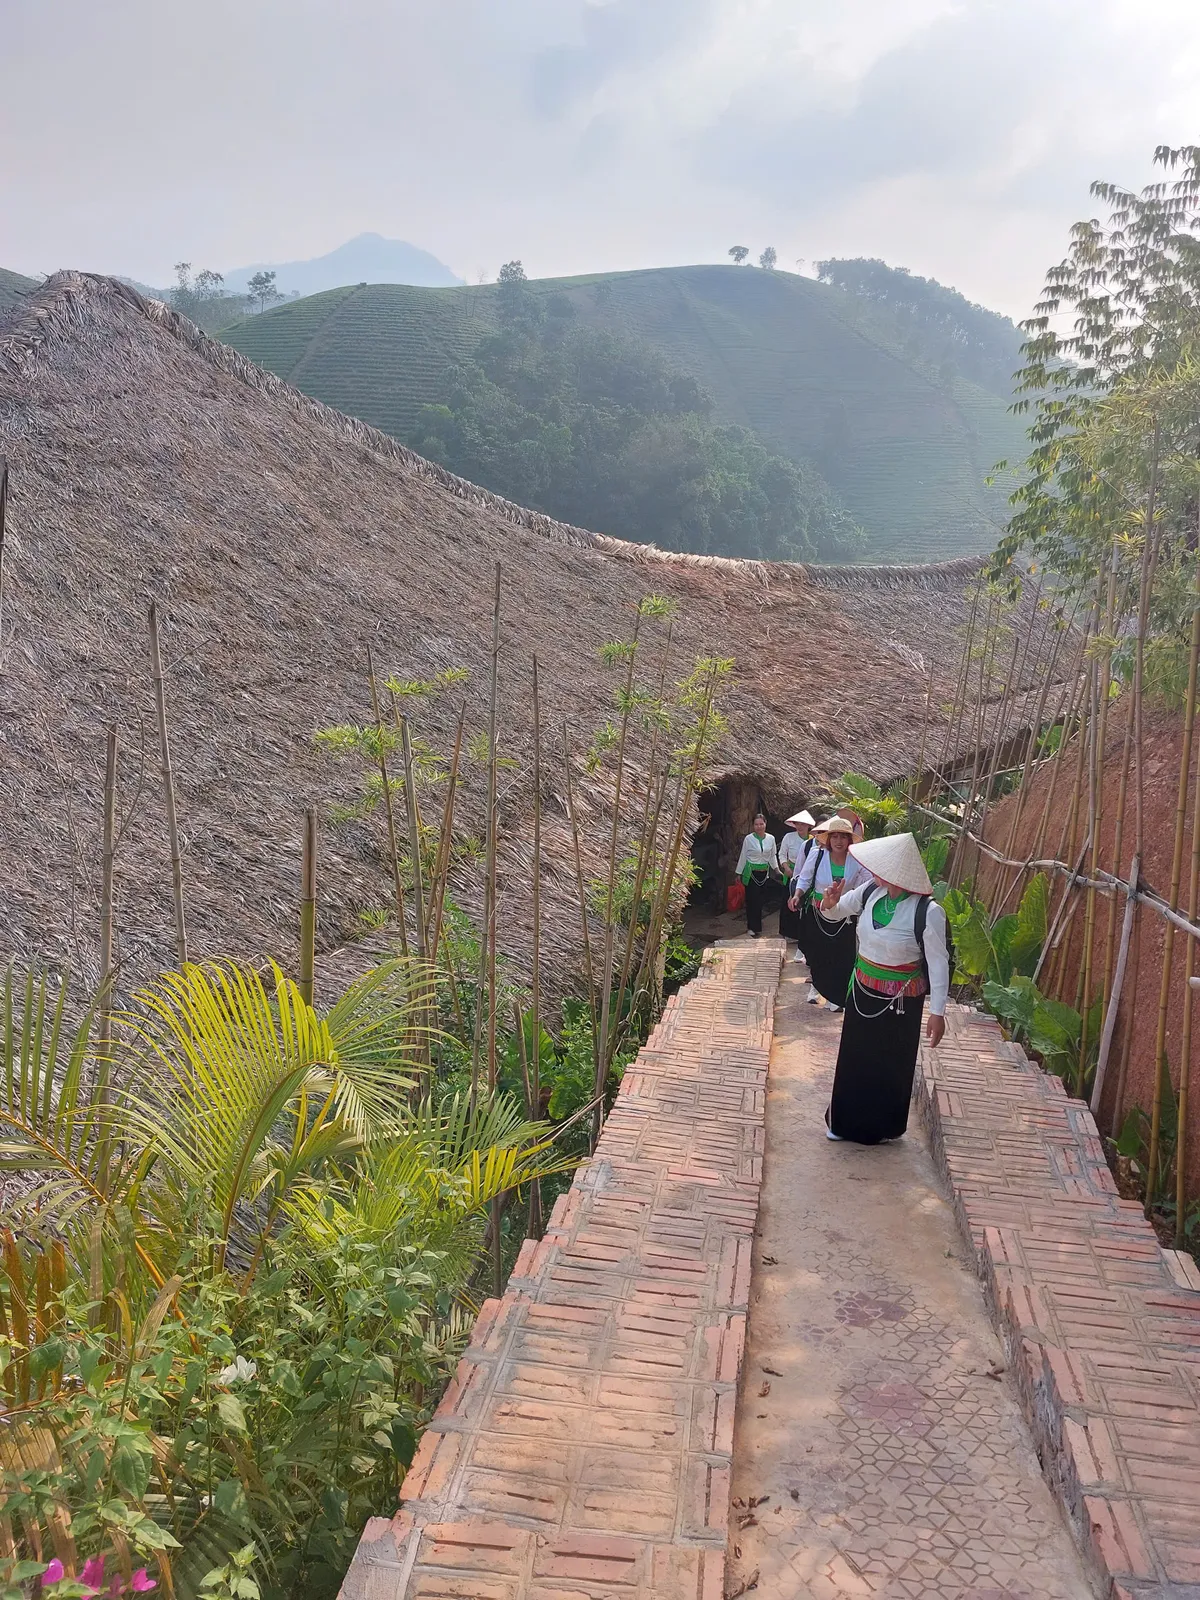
(92, 1576)
(53, 1574)
(141, 1584)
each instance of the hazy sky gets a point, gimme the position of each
(956, 137)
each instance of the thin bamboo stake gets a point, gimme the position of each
(389, 812)
(164, 757)
(986, 658)
(1119, 836)
(414, 828)
(1031, 747)
(919, 770)
(958, 704)
(3, 520)
(107, 873)
(588, 969)
(1135, 959)
(441, 873)
(1114, 997)
(535, 1188)
(1161, 1077)
(308, 909)
(1066, 848)
(1084, 987)
(614, 840)
(1185, 1048)
(1149, 558)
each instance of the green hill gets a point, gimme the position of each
(12, 287)
(817, 372)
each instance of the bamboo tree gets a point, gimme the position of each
(164, 756)
(414, 828)
(485, 988)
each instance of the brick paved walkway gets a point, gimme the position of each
(877, 1454)
(1104, 1343)
(584, 1448)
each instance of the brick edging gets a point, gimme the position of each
(1103, 1343)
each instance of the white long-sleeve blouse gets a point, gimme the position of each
(757, 852)
(896, 945)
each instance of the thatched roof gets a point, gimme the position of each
(279, 539)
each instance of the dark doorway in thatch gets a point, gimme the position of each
(726, 815)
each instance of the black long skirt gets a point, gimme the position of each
(877, 1059)
(831, 948)
(789, 921)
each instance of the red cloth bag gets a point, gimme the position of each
(735, 896)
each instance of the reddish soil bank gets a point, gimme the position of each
(1140, 998)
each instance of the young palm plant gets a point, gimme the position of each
(236, 1270)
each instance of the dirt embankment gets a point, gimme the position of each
(1138, 1015)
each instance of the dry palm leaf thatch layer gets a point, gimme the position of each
(279, 539)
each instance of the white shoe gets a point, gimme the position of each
(836, 1137)
(752, 933)
(813, 996)
(798, 958)
(837, 1010)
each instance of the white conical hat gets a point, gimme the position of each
(802, 817)
(894, 859)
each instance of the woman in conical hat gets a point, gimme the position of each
(795, 846)
(828, 945)
(901, 958)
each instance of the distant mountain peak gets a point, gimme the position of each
(367, 258)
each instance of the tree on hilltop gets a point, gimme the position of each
(768, 259)
(739, 252)
(262, 288)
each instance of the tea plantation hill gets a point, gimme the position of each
(12, 287)
(820, 375)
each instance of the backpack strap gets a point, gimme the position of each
(920, 918)
(812, 888)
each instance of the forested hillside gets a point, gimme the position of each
(12, 287)
(830, 378)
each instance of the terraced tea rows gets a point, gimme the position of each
(801, 363)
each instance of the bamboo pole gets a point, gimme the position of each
(1161, 1071)
(164, 757)
(1149, 559)
(1119, 837)
(389, 810)
(958, 704)
(489, 938)
(535, 1188)
(308, 909)
(107, 875)
(580, 890)
(986, 660)
(601, 1074)
(414, 828)
(1135, 968)
(1114, 996)
(1185, 1048)
(441, 872)
(3, 521)
(919, 770)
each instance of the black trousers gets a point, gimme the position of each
(756, 894)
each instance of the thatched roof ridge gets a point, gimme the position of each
(278, 539)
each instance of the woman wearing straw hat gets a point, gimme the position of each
(796, 845)
(902, 956)
(757, 865)
(828, 943)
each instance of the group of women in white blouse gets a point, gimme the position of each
(862, 914)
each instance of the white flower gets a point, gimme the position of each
(239, 1370)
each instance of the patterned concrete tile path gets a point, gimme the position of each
(880, 1450)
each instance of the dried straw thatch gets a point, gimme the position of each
(279, 539)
